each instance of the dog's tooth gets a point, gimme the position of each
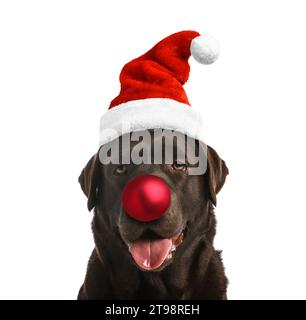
(146, 263)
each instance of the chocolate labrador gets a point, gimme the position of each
(171, 257)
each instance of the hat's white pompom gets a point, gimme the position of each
(205, 49)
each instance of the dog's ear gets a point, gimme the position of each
(89, 181)
(217, 172)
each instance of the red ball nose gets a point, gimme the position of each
(146, 198)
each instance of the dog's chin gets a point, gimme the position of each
(154, 253)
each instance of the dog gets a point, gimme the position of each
(192, 269)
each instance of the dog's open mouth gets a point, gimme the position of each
(150, 254)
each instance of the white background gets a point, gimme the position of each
(59, 68)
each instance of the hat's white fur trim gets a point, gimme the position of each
(149, 114)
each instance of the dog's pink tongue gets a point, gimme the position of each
(150, 254)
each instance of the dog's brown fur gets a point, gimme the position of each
(196, 271)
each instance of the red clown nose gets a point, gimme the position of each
(146, 198)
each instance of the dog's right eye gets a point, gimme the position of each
(120, 170)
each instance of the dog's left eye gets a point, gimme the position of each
(179, 166)
(120, 170)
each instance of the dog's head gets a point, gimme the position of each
(152, 244)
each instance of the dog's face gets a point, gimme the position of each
(152, 245)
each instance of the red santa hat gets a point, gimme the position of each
(152, 94)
